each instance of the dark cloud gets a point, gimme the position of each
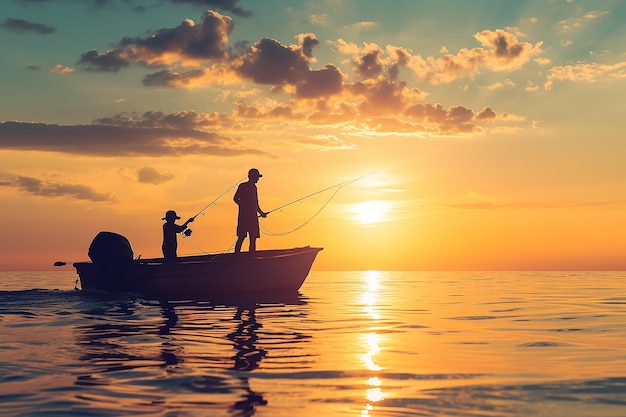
(111, 61)
(270, 62)
(54, 189)
(486, 114)
(320, 83)
(157, 119)
(33, 67)
(380, 96)
(117, 140)
(245, 111)
(456, 119)
(24, 26)
(203, 40)
(149, 175)
(167, 78)
(307, 42)
(369, 65)
(189, 41)
(266, 62)
(504, 44)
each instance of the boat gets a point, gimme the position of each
(197, 277)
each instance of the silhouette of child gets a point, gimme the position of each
(170, 229)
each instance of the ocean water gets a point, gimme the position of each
(362, 343)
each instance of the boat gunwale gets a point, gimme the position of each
(259, 255)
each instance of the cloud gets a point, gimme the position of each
(149, 175)
(177, 120)
(500, 84)
(198, 55)
(271, 63)
(191, 79)
(573, 23)
(455, 119)
(319, 19)
(24, 26)
(54, 189)
(111, 61)
(187, 44)
(362, 25)
(379, 106)
(531, 87)
(60, 69)
(380, 97)
(369, 65)
(585, 72)
(115, 140)
(501, 51)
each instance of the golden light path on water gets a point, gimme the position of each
(374, 392)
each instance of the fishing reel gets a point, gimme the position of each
(187, 232)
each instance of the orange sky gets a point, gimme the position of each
(493, 142)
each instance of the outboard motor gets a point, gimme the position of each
(112, 255)
(109, 247)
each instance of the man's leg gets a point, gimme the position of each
(240, 240)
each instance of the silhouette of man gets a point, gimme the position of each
(247, 221)
(170, 229)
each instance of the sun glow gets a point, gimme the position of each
(373, 211)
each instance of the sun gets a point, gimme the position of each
(369, 212)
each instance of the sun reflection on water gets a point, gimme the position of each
(374, 392)
(373, 349)
(369, 296)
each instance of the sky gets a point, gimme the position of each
(482, 135)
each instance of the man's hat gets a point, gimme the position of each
(171, 214)
(254, 172)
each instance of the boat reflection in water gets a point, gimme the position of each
(247, 356)
(178, 354)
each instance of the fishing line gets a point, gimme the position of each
(340, 185)
(269, 233)
(207, 253)
(186, 234)
(194, 244)
(337, 186)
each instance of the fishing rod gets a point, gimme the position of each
(187, 232)
(338, 186)
(217, 198)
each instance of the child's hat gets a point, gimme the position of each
(171, 214)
